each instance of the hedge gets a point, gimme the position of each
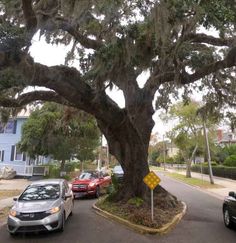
(221, 171)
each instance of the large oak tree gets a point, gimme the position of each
(115, 41)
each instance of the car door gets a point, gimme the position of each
(232, 205)
(107, 179)
(67, 200)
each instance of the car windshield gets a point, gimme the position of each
(87, 176)
(41, 192)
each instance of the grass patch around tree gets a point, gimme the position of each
(9, 193)
(193, 181)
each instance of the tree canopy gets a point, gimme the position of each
(60, 132)
(115, 42)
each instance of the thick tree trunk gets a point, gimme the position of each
(130, 147)
(127, 146)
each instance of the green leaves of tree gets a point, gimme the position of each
(60, 132)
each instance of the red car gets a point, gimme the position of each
(90, 183)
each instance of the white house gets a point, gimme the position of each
(10, 135)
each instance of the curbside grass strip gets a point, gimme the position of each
(144, 229)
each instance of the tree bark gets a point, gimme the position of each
(188, 162)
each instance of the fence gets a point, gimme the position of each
(28, 170)
(174, 166)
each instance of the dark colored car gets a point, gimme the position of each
(118, 173)
(229, 210)
(90, 183)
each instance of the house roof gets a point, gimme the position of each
(25, 113)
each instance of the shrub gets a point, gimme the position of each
(137, 201)
(221, 171)
(213, 163)
(230, 161)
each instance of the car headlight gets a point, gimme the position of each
(92, 184)
(54, 210)
(13, 212)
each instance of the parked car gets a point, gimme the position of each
(90, 183)
(229, 210)
(118, 173)
(43, 206)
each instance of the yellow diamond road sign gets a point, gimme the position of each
(151, 180)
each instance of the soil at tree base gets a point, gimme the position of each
(140, 213)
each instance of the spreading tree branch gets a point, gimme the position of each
(29, 16)
(203, 38)
(157, 79)
(81, 38)
(30, 97)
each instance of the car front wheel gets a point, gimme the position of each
(61, 229)
(227, 219)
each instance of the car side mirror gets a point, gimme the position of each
(232, 194)
(15, 199)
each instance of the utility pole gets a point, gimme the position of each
(164, 152)
(208, 153)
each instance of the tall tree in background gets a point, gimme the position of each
(60, 132)
(187, 134)
(124, 39)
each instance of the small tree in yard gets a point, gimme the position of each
(60, 132)
(115, 42)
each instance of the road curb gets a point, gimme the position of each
(143, 229)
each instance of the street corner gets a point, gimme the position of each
(143, 229)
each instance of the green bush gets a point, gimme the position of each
(54, 171)
(213, 163)
(137, 201)
(71, 166)
(230, 161)
(221, 171)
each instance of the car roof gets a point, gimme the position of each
(47, 181)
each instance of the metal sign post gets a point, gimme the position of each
(151, 180)
(152, 203)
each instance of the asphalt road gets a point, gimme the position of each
(201, 224)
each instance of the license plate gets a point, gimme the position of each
(79, 194)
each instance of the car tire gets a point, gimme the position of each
(12, 234)
(97, 193)
(61, 229)
(227, 218)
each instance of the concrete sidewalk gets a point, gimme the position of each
(227, 185)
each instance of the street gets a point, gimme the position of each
(202, 223)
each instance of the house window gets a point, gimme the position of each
(10, 127)
(16, 155)
(1, 155)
